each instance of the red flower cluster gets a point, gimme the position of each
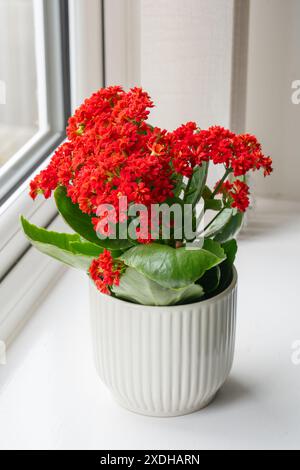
(112, 152)
(241, 153)
(105, 271)
(238, 191)
(186, 148)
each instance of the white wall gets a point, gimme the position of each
(274, 62)
(179, 51)
(86, 47)
(186, 58)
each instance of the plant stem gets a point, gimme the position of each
(227, 173)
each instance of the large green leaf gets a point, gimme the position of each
(87, 249)
(214, 247)
(137, 288)
(81, 223)
(231, 229)
(170, 267)
(197, 184)
(219, 223)
(90, 249)
(61, 246)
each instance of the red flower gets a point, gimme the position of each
(106, 271)
(238, 191)
(44, 183)
(240, 195)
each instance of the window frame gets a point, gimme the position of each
(52, 59)
(16, 174)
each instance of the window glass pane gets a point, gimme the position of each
(19, 109)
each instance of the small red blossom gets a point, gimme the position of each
(240, 195)
(241, 153)
(44, 183)
(238, 191)
(106, 271)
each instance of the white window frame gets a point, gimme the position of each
(14, 176)
(53, 98)
(24, 272)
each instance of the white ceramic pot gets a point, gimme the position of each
(164, 361)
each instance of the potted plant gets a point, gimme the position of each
(157, 244)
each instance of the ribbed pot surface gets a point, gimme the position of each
(164, 361)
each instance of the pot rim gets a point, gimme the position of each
(158, 308)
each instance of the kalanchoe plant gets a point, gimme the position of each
(113, 153)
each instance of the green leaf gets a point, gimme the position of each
(150, 292)
(218, 225)
(180, 186)
(87, 249)
(207, 193)
(231, 229)
(170, 267)
(61, 246)
(91, 250)
(211, 279)
(81, 223)
(214, 247)
(213, 204)
(230, 248)
(197, 184)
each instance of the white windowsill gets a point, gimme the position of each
(51, 397)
